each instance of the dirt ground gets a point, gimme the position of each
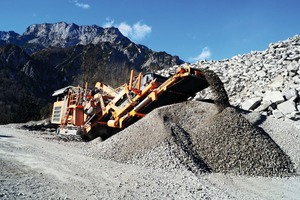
(37, 166)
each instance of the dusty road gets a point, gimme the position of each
(34, 166)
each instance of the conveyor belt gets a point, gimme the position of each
(178, 92)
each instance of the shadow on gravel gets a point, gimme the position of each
(6, 136)
(184, 141)
(258, 122)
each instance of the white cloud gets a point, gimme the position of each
(205, 54)
(135, 32)
(81, 5)
(125, 29)
(140, 31)
(109, 23)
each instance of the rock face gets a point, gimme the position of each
(40, 36)
(25, 85)
(265, 81)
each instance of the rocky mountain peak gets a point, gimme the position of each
(61, 35)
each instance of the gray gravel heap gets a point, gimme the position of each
(150, 141)
(229, 143)
(194, 136)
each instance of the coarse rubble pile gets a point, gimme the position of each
(264, 81)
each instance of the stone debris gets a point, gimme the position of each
(251, 104)
(269, 75)
(287, 107)
(273, 96)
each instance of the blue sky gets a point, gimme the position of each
(191, 29)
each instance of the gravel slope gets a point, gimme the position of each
(284, 132)
(195, 136)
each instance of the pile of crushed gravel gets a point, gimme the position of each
(284, 132)
(229, 143)
(195, 136)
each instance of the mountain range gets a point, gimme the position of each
(50, 56)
